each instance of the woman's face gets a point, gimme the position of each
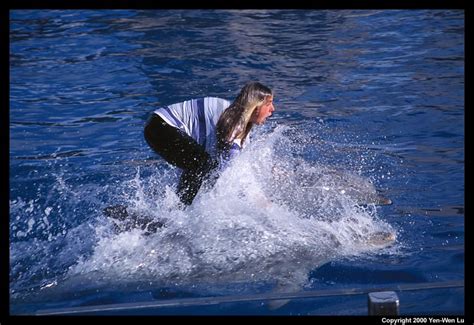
(263, 111)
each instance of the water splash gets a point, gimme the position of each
(252, 225)
(271, 217)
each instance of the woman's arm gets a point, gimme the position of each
(229, 154)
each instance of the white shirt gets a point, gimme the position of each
(197, 118)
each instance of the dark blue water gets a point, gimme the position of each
(376, 94)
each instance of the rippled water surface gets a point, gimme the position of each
(368, 103)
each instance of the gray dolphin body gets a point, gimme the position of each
(310, 187)
(126, 219)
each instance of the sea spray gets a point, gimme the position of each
(244, 228)
(271, 217)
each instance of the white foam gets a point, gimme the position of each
(255, 224)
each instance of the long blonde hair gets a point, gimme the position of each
(235, 120)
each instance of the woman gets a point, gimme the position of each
(200, 134)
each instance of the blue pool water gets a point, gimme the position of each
(365, 99)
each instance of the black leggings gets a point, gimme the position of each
(182, 151)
